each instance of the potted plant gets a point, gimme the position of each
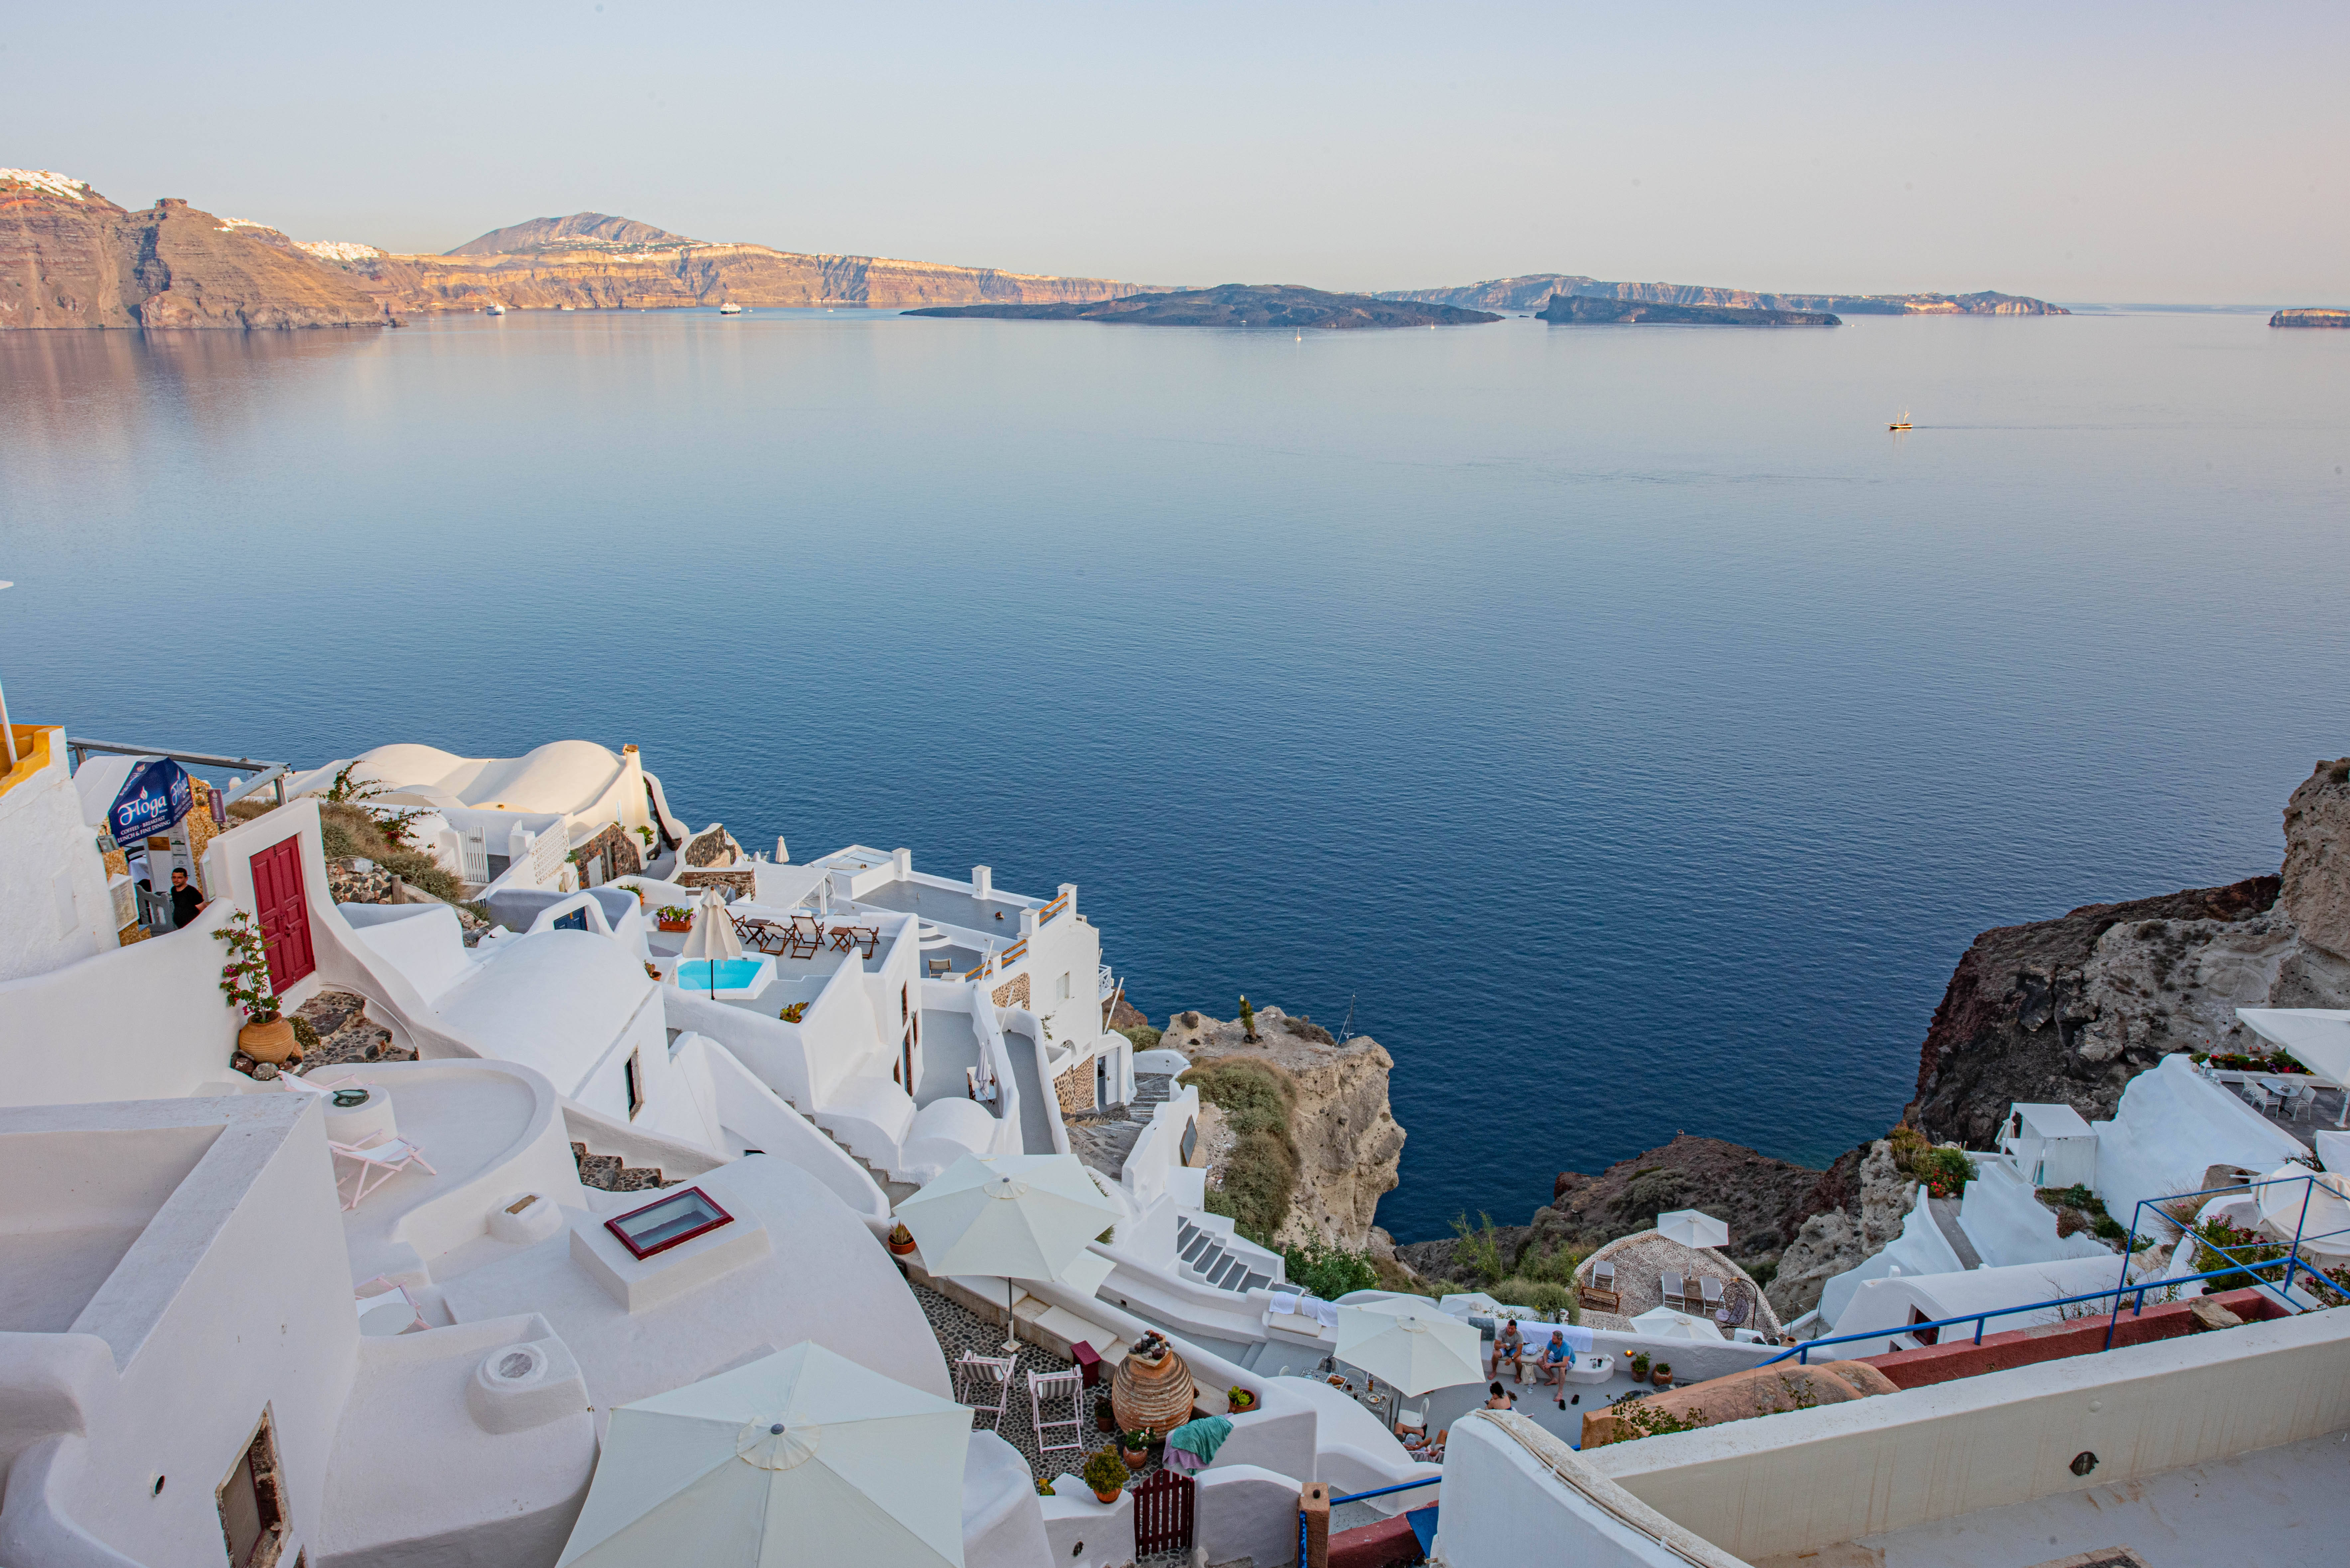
(1640, 1367)
(634, 887)
(1134, 1448)
(793, 1012)
(245, 980)
(674, 917)
(1663, 1374)
(1240, 1399)
(902, 1241)
(1106, 1473)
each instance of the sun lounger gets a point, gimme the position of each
(805, 938)
(378, 1163)
(866, 938)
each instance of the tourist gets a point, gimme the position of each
(1427, 1452)
(1556, 1359)
(186, 902)
(1497, 1401)
(1510, 1346)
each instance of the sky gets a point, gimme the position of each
(2149, 153)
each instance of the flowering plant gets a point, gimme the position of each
(673, 912)
(244, 979)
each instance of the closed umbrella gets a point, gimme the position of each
(2310, 1204)
(711, 938)
(1412, 1350)
(1692, 1228)
(799, 1456)
(1023, 1216)
(1664, 1323)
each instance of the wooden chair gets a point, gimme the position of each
(866, 938)
(980, 1377)
(805, 934)
(1598, 1300)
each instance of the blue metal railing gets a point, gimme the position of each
(1358, 1497)
(2291, 1263)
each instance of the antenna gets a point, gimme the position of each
(1347, 1030)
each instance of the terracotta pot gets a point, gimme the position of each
(1109, 1497)
(1135, 1458)
(677, 925)
(1153, 1396)
(1246, 1401)
(902, 1249)
(269, 1042)
(1661, 1379)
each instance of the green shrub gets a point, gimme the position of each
(1105, 1472)
(1479, 1250)
(1260, 1173)
(1762, 1273)
(1557, 1267)
(1546, 1297)
(1248, 1021)
(1144, 1037)
(2074, 1197)
(1329, 1271)
(2109, 1229)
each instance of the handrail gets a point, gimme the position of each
(2289, 1262)
(1356, 1497)
(1053, 909)
(269, 772)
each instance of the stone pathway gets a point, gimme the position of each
(346, 1033)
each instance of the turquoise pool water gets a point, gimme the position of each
(734, 974)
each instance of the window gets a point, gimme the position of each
(1191, 1140)
(677, 1217)
(636, 1085)
(1061, 987)
(1922, 1336)
(252, 1506)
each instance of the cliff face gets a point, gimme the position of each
(1235, 304)
(1577, 307)
(2316, 315)
(580, 229)
(1348, 1142)
(69, 257)
(2068, 1011)
(1528, 293)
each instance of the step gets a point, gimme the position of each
(610, 1173)
(1200, 1243)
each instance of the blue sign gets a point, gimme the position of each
(155, 796)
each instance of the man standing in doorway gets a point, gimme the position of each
(186, 902)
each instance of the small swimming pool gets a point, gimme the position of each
(735, 977)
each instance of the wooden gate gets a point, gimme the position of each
(1163, 1514)
(285, 913)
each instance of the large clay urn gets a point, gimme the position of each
(1152, 1390)
(269, 1040)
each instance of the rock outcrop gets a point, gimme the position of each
(2068, 1011)
(1855, 1225)
(2313, 316)
(1529, 292)
(70, 258)
(1583, 310)
(580, 231)
(1236, 305)
(1348, 1141)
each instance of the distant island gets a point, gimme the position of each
(2310, 316)
(1234, 305)
(1574, 307)
(1529, 292)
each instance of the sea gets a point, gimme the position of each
(1619, 723)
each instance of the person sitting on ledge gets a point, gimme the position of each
(1497, 1401)
(1510, 1346)
(1556, 1359)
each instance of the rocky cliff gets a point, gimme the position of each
(1529, 292)
(1348, 1141)
(580, 231)
(69, 257)
(1236, 305)
(1585, 308)
(2070, 1010)
(2314, 315)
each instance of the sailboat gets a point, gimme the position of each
(1902, 424)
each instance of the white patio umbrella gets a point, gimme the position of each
(1664, 1323)
(1692, 1228)
(800, 1456)
(1022, 1217)
(1412, 1350)
(2325, 1228)
(713, 937)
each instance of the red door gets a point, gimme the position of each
(285, 913)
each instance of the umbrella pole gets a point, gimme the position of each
(1010, 1324)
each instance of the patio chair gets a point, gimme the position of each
(377, 1163)
(806, 933)
(1710, 1292)
(866, 938)
(978, 1378)
(1734, 1314)
(1045, 1386)
(1675, 1293)
(1603, 1275)
(758, 935)
(393, 1294)
(938, 967)
(1411, 1420)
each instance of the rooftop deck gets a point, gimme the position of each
(1641, 1262)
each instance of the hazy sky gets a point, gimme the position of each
(2148, 151)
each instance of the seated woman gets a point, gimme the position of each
(1428, 1452)
(1510, 1346)
(1497, 1401)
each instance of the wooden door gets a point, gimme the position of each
(284, 912)
(1162, 1513)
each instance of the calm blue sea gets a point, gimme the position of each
(1621, 722)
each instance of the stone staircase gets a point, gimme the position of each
(345, 1033)
(1104, 1139)
(1203, 1253)
(895, 1192)
(610, 1173)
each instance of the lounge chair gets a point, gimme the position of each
(1070, 1385)
(1675, 1293)
(865, 937)
(377, 1163)
(805, 934)
(980, 1377)
(938, 967)
(1709, 1291)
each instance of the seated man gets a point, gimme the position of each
(1510, 1346)
(1556, 1357)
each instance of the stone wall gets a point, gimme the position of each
(1011, 993)
(714, 846)
(621, 850)
(1075, 1088)
(742, 884)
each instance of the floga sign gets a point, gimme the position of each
(155, 796)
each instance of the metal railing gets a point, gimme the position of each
(1337, 1499)
(2246, 1269)
(264, 772)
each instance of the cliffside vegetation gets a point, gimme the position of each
(1260, 1173)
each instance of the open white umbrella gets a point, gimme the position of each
(1022, 1217)
(1664, 1323)
(800, 1456)
(1415, 1351)
(1692, 1228)
(712, 937)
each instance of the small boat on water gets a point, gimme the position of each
(1902, 424)
(730, 308)
(493, 308)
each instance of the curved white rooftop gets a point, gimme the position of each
(566, 776)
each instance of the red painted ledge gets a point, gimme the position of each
(1961, 1356)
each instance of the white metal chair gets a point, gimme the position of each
(1674, 1292)
(377, 1163)
(1710, 1288)
(1411, 1420)
(978, 1376)
(1070, 1385)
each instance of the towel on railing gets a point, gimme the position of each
(1297, 1304)
(1201, 1438)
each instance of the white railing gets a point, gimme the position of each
(548, 851)
(1105, 984)
(473, 856)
